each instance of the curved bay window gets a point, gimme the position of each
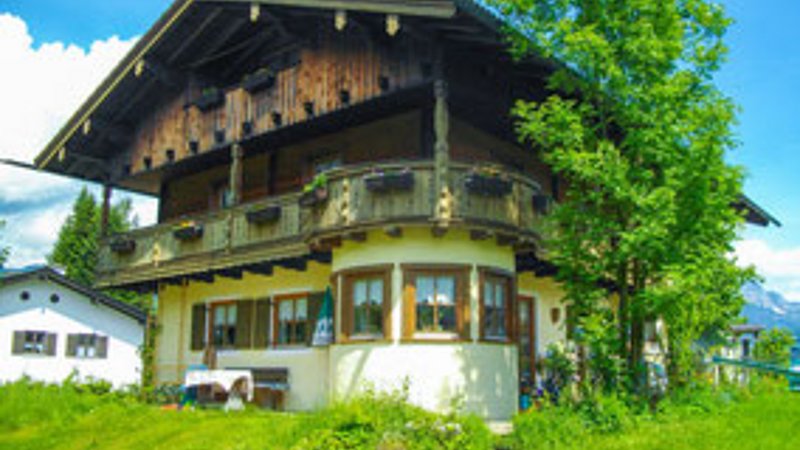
(436, 302)
(496, 306)
(366, 304)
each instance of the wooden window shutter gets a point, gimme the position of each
(102, 347)
(262, 325)
(72, 345)
(315, 300)
(244, 324)
(198, 326)
(462, 306)
(387, 305)
(347, 308)
(50, 348)
(18, 346)
(409, 312)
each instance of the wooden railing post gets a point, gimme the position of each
(441, 128)
(236, 174)
(106, 210)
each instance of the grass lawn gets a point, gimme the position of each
(767, 421)
(45, 418)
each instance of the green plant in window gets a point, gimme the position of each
(319, 182)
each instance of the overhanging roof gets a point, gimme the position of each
(47, 273)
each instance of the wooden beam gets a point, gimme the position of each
(425, 8)
(479, 235)
(265, 269)
(203, 277)
(233, 273)
(393, 231)
(438, 231)
(321, 257)
(236, 174)
(356, 236)
(506, 240)
(170, 77)
(209, 18)
(298, 264)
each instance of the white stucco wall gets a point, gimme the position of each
(474, 377)
(74, 313)
(548, 295)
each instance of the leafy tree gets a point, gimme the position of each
(775, 346)
(638, 132)
(78, 240)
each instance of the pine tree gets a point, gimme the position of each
(76, 249)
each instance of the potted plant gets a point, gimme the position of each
(210, 98)
(122, 245)
(259, 80)
(488, 182)
(188, 230)
(264, 215)
(315, 192)
(397, 180)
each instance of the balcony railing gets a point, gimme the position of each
(355, 199)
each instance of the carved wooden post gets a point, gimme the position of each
(106, 210)
(441, 150)
(236, 174)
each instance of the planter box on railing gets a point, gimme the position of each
(210, 99)
(388, 182)
(122, 246)
(313, 197)
(488, 185)
(188, 232)
(261, 216)
(259, 81)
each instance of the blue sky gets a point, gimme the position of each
(86, 37)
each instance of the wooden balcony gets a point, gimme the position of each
(286, 230)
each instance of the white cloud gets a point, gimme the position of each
(40, 87)
(780, 267)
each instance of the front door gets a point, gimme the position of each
(526, 322)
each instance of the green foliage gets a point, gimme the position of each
(557, 365)
(320, 181)
(76, 249)
(637, 129)
(774, 346)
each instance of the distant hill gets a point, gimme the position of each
(769, 309)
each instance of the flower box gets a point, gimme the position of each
(314, 197)
(487, 185)
(210, 99)
(188, 232)
(391, 181)
(260, 80)
(122, 245)
(260, 216)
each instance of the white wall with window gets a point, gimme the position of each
(48, 330)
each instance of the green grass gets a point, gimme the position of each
(42, 417)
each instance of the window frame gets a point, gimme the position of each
(461, 273)
(212, 307)
(487, 274)
(276, 308)
(45, 352)
(96, 346)
(349, 278)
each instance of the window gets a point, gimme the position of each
(291, 320)
(34, 343)
(496, 306)
(435, 302)
(223, 324)
(87, 346)
(366, 303)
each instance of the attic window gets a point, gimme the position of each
(24, 296)
(55, 298)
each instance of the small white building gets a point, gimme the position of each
(51, 327)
